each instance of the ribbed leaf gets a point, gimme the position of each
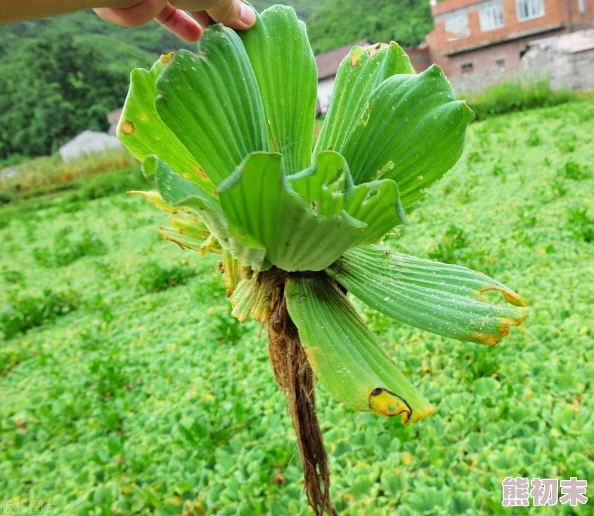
(437, 297)
(258, 198)
(187, 230)
(376, 203)
(179, 192)
(328, 188)
(212, 103)
(285, 68)
(358, 75)
(325, 185)
(256, 296)
(156, 199)
(232, 270)
(143, 133)
(412, 131)
(345, 356)
(184, 241)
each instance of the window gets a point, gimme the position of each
(500, 62)
(467, 67)
(528, 9)
(456, 26)
(582, 6)
(491, 16)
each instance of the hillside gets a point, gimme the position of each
(124, 48)
(61, 96)
(339, 22)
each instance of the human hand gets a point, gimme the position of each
(172, 15)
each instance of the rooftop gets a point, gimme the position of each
(328, 62)
(451, 5)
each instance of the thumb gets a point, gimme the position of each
(232, 13)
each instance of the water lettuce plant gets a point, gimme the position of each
(227, 134)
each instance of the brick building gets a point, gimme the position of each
(479, 35)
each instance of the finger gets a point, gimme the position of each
(138, 14)
(232, 13)
(202, 18)
(179, 23)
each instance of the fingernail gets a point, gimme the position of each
(248, 16)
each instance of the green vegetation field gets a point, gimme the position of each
(127, 388)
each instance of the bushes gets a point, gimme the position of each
(25, 313)
(581, 224)
(515, 96)
(70, 196)
(156, 278)
(44, 175)
(66, 251)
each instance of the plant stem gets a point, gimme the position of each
(295, 377)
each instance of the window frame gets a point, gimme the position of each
(528, 4)
(490, 11)
(464, 29)
(467, 67)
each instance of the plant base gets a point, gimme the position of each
(295, 377)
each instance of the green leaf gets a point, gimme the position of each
(143, 133)
(187, 230)
(358, 75)
(258, 198)
(437, 297)
(156, 199)
(327, 187)
(285, 68)
(412, 131)
(345, 356)
(377, 204)
(177, 191)
(211, 102)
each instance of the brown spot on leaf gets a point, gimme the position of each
(510, 296)
(374, 49)
(355, 58)
(384, 402)
(279, 478)
(127, 127)
(165, 58)
(201, 173)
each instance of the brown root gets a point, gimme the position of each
(295, 377)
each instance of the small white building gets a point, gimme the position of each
(328, 64)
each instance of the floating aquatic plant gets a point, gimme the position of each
(227, 134)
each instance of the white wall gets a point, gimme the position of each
(325, 87)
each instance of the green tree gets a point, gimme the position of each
(58, 88)
(340, 22)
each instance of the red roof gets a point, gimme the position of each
(328, 62)
(451, 5)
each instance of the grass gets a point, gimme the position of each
(508, 97)
(148, 398)
(49, 174)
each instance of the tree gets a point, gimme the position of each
(56, 89)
